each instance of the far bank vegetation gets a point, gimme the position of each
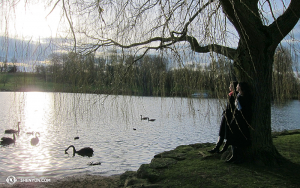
(151, 75)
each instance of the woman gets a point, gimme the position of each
(239, 126)
(226, 119)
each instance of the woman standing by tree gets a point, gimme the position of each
(240, 123)
(226, 119)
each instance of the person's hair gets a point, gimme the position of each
(244, 87)
(234, 83)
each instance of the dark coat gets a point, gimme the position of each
(227, 115)
(239, 134)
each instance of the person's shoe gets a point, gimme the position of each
(231, 160)
(224, 148)
(214, 150)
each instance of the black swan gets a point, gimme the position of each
(35, 141)
(7, 140)
(143, 118)
(151, 119)
(87, 151)
(11, 131)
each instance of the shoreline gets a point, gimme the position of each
(115, 181)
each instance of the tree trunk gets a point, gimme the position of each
(254, 66)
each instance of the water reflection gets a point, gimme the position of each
(37, 108)
(37, 111)
(107, 127)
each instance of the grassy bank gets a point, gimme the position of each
(195, 167)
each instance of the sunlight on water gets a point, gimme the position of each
(37, 108)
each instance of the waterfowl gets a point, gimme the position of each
(77, 137)
(35, 141)
(29, 132)
(134, 129)
(151, 119)
(7, 140)
(94, 163)
(11, 131)
(143, 118)
(87, 151)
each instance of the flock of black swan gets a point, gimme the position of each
(146, 118)
(87, 151)
(7, 140)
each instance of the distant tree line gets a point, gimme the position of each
(152, 75)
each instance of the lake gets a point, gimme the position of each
(112, 126)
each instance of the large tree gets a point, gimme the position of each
(250, 38)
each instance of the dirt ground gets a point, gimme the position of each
(86, 181)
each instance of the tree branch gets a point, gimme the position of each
(285, 23)
(166, 42)
(219, 49)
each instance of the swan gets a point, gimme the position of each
(143, 118)
(11, 131)
(7, 140)
(87, 151)
(35, 141)
(151, 119)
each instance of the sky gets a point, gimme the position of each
(32, 22)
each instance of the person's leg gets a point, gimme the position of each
(218, 145)
(234, 154)
(221, 136)
(225, 147)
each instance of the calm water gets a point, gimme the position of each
(106, 124)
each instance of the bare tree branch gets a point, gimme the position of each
(168, 41)
(70, 23)
(285, 23)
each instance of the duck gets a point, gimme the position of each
(143, 118)
(151, 119)
(34, 141)
(76, 138)
(12, 131)
(6, 140)
(87, 151)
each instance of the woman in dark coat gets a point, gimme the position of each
(239, 134)
(226, 119)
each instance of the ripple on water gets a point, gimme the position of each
(108, 129)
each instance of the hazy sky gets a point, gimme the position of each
(30, 21)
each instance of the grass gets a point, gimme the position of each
(212, 172)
